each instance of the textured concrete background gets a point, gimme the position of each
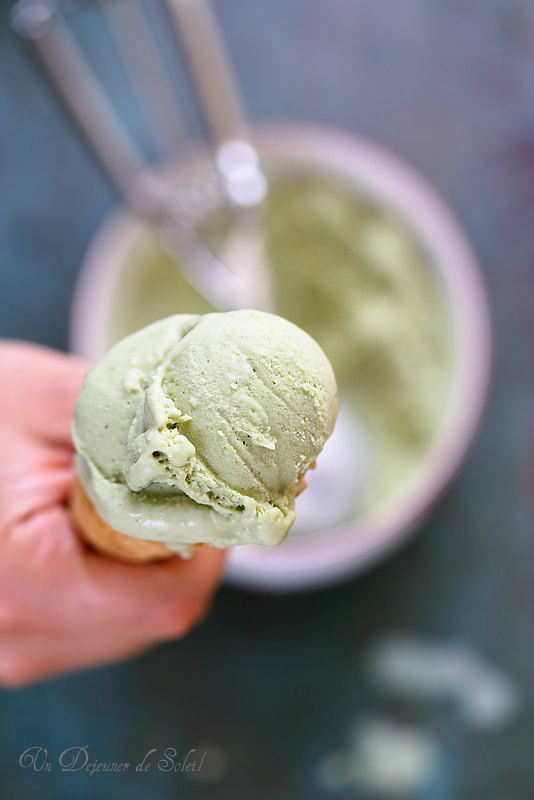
(275, 683)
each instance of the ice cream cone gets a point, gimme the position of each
(108, 541)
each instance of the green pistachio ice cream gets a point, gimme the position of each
(354, 275)
(200, 428)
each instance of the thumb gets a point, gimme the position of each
(42, 389)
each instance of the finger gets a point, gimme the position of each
(58, 582)
(163, 600)
(26, 658)
(33, 477)
(41, 571)
(43, 388)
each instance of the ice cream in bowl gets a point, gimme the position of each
(370, 263)
(198, 430)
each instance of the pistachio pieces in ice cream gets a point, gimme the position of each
(200, 428)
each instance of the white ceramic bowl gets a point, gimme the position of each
(306, 562)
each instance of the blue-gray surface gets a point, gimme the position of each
(276, 682)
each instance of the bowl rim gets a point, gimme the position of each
(351, 547)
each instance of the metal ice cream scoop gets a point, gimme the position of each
(237, 275)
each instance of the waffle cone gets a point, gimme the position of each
(105, 539)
